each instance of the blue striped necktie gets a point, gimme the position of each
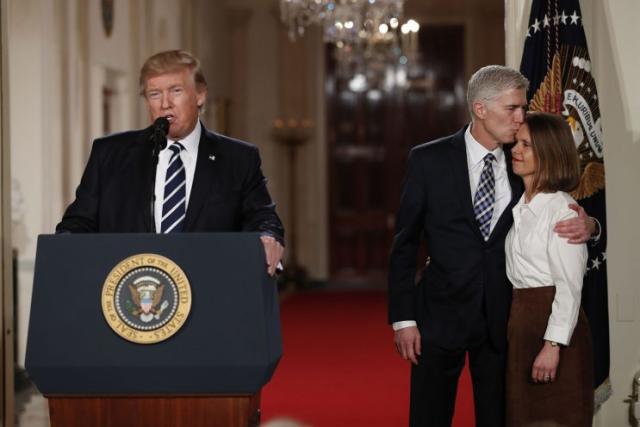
(485, 196)
(174, 206)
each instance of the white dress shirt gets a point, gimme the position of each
(475, 163)
(536, 256)
(188, 156)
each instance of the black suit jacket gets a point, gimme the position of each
(229, 192)
(464, 294)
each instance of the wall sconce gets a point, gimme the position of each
(292, 133)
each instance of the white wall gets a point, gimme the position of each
(616, 67)
(33, 103)
(612, 32)
(59, 58)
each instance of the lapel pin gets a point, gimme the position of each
(212, 157)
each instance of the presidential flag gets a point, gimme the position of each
(557, 63)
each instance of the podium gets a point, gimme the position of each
(208, 372)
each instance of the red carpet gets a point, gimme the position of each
(340, 367)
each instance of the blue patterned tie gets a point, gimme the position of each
(175, 192)
(485, 198)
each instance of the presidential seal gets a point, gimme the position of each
(146, 298)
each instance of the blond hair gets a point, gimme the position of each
(171, 61)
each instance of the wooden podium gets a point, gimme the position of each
(209, 373)
(179, 411)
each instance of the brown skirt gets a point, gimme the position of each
(568, 401)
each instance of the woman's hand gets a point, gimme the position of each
(546, 364)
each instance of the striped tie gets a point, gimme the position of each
(484, 198)
(175, 192)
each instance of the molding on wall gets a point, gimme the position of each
(516, 14)
(6, 294)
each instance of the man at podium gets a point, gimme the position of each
(175, 175)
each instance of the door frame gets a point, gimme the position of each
(6, 264)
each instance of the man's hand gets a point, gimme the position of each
(577, 230)
(408, 343)
(273, 253)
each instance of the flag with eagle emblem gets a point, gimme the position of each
(557, 63)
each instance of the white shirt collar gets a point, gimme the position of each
(191, 141)
(537, 204)
(477, 151)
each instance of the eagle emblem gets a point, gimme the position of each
(146, 294)
(569, 89)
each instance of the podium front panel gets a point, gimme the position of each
(230, 342)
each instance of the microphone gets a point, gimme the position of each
(159, 136)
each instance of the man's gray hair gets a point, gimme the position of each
(489, 82)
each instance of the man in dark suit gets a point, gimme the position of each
(458, 195)
(203, 181)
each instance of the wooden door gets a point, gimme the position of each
(370, 131)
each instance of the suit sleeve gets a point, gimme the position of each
(258, 210)
(82, 214)
(406, 243)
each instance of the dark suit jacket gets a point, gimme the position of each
(464, 293)
(229, 192)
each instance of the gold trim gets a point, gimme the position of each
(602, 393)
(591, 181)
(548, 97)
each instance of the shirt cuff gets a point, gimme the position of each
(403, 324)
(273, 236)
(559, 334)
(594, 239)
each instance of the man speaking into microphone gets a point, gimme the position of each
(175, 175)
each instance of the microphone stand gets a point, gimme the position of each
(159, 138)
(152, 185)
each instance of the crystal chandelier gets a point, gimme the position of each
(299, 14)
(345, 22)
(366, 33)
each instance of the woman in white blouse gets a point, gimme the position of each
(549, 362)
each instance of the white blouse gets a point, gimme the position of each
(536, 256)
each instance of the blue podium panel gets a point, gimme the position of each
(230, 342)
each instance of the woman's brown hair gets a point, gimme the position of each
(558, 168)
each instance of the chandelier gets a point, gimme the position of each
(364, 31)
